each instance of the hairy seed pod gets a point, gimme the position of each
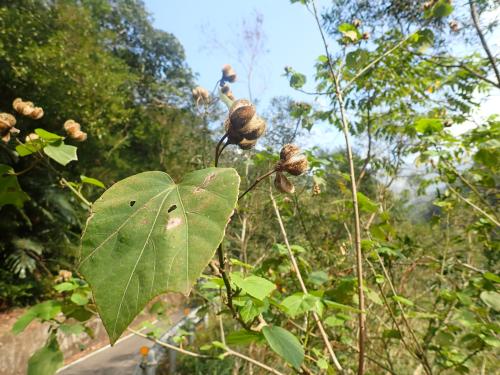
(283, 184)
(296, 165)
(254, 128)
(7, 120)
(356, 22)
(228, 73)
(226, 90)
(454, 26)
(366, 35)
(71, 126)
(17, 104)
(31, 137)
(288, 151)
(240, 113)
(79, 136)
(37, 113)
(247, 144)
(201, 94)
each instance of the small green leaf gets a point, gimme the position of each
(72, 329)
(366, 204)
(391, 334)
(403, 300)
(44, 311)
(80, 298)
(64, 287)
(28, 148)
(48, 136)
(47, 360)
(492, 277)
(442, 8)
(491, 298)
(10, 190)
(92, 181)
(318, 277)
(255, 286)
(428, 125)
(61, 152)
(297, 80)
(336, 305)
(242, 337)
(285, 344)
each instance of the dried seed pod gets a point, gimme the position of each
(247, 144)
(233, 136)
(226, 90)
(37, 113)
(228, 73)
(17, 104)
(71, 126)
(240, 113)
(253, 128)
(366, 35)
(454, 26)
(31, 137)
(296, 165)
(283, 184)
(447, 123)
(201, 94)
(79, 136)
(288, 151)
(7, 121)
(356, 22)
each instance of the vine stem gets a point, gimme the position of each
(303, 285)
(217, 149)
(356, 217)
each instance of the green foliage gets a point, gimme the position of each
(46, 360)
(163, 234)
(285, 344)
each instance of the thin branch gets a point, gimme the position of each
(76, 192)
(491, 57)
(374, 62)
(259, 179)
(356, 216)
(217, 149)
(253, 361)
(303, 285)
(489, 217)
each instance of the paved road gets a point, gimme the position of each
(120, 359)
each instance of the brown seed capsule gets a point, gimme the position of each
(283, 184)
(201, 94)
(253, 128)
(240, 113)
(226, 90)
(17, 104)
(356, 22)
(454, 26)
(71, 126)
(247, 144)
(295, 165)
(288, 151)
(447, 123)
(7, 121)
(31, 137)
(37, 113)
(79, 136)
(366, 35)
(228, 73)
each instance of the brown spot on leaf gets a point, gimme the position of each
(205, 183)
(174, 222)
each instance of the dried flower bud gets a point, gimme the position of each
(228, 73)
(288, 151)
(454, 26)
(71, 126)
(201, 94)
(427, 5)
(295, 165)
(31, 137)
(27, 109)
(366, 35)
(356, 22)
(79, 136)
(283, 184)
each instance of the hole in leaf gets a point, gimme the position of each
(132, 203)
(173, 207)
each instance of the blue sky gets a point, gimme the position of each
(291, 38)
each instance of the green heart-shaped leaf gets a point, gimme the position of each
(147, 235)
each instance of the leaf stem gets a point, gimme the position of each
(256, 182)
